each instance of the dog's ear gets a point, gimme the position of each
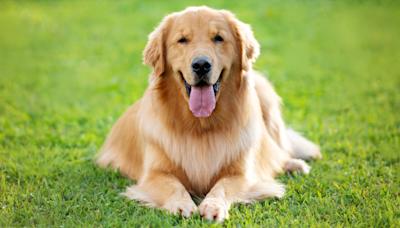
(249, 47)
(154, 52)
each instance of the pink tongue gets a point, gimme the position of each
(202, 101)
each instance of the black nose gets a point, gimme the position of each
(201, 65)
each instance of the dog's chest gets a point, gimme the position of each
(203, 156)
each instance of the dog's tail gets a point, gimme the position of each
(302, 147)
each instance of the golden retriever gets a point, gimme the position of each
(207, 125)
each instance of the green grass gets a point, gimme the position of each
(69, 69)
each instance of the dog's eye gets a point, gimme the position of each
(218, 39)
(183, 40)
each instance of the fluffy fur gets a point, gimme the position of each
(232, 155)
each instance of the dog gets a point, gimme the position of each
(208, 125)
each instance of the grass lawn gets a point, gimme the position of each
(69, 69)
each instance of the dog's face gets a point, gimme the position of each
(199, 47)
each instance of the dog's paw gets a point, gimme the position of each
(297, 165)
(185, 207)
(214, 209)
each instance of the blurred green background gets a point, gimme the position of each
(69, 69)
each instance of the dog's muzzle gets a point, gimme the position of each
(215, 86)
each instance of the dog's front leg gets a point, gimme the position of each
(160, 187)
(218, 201)
(163, 190)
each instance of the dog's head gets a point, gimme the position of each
(200, 47)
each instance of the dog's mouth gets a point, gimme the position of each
(202, 83)
(202, 97)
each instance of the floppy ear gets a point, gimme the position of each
(154, 52)
(249, 47)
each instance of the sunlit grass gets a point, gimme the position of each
(69, 69)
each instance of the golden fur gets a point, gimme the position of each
(232, 155)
